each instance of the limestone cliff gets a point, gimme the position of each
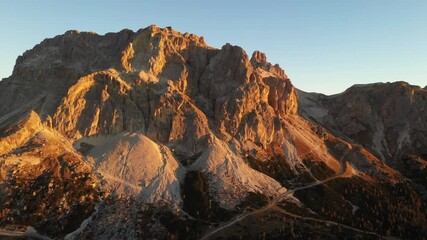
(154, 134)
(149, 81)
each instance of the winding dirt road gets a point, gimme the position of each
(276, 200)
(328, 222)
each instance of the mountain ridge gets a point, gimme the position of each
(158, 120)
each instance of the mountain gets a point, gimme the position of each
(389, 119)
(156, 135)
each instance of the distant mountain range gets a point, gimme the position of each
(156, 135)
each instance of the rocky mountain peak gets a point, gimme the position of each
(125, 128)
(140, 81)
(258, 57)
(387, 118)
(259, 60)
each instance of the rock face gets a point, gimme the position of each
(56, 64)
(389, 119)
(44, 182)
(170, 87)
(140, 83)
(166, 136)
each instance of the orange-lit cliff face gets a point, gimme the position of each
(155, 124)
(146, 80)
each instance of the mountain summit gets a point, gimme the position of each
(155, 134)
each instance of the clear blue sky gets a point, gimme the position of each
(323, 45)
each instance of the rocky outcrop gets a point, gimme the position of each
(17, 134)
(56, 64)
(44, 182)
(259, 60)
